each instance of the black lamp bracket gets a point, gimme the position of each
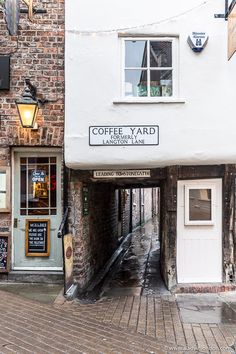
(33, 91)
(32, 88)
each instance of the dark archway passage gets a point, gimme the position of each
(139, 271)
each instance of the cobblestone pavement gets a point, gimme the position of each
(161, 317)
(27, 326)
(129, 324)
(136, 301)
(137, 316)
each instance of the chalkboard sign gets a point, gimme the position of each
(37, 241)
(4, 253)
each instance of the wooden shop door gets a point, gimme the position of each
(37, 211)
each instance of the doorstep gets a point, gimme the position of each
(203, 288)
(47, 277)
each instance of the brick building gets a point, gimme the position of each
(31, 159)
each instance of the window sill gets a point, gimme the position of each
(158, 100)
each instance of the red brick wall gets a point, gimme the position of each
(37, 53)
(95, 235)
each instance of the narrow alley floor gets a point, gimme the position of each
(139, 272)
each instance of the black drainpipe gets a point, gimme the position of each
(131, 211)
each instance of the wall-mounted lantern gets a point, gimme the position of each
(28, 106)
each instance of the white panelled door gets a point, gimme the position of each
(199, 231)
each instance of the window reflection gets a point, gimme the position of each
(136, 83)
(136, 54)
(200, 204)
(160, 54)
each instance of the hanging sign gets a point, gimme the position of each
(37, 240)
(124, 135)
(29, 3)
(232, 32)
(122, 174)
(197, 41)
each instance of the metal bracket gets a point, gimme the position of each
(35, 11)
(226, 14)
(219, 15)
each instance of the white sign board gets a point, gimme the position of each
(121, 173)
(124, 135)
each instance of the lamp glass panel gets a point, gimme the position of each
(27, 113)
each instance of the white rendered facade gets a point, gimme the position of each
(196, 124)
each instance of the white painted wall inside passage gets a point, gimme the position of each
(199, 130)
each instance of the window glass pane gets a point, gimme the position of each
(160, 54)
(161, 83)
(136, 54)
(53, 159)
(136, 83)
(23, 160)
(200, 204)
(3, 192)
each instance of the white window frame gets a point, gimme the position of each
(187, 221)
(174, 67)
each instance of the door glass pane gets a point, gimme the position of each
(136, 83)
(200, 204)
(38, 186)
(38, 160)
(160, 54)
(38, 194)
(136, 54)
(23, 160)
(53, 185)
(23, 186)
